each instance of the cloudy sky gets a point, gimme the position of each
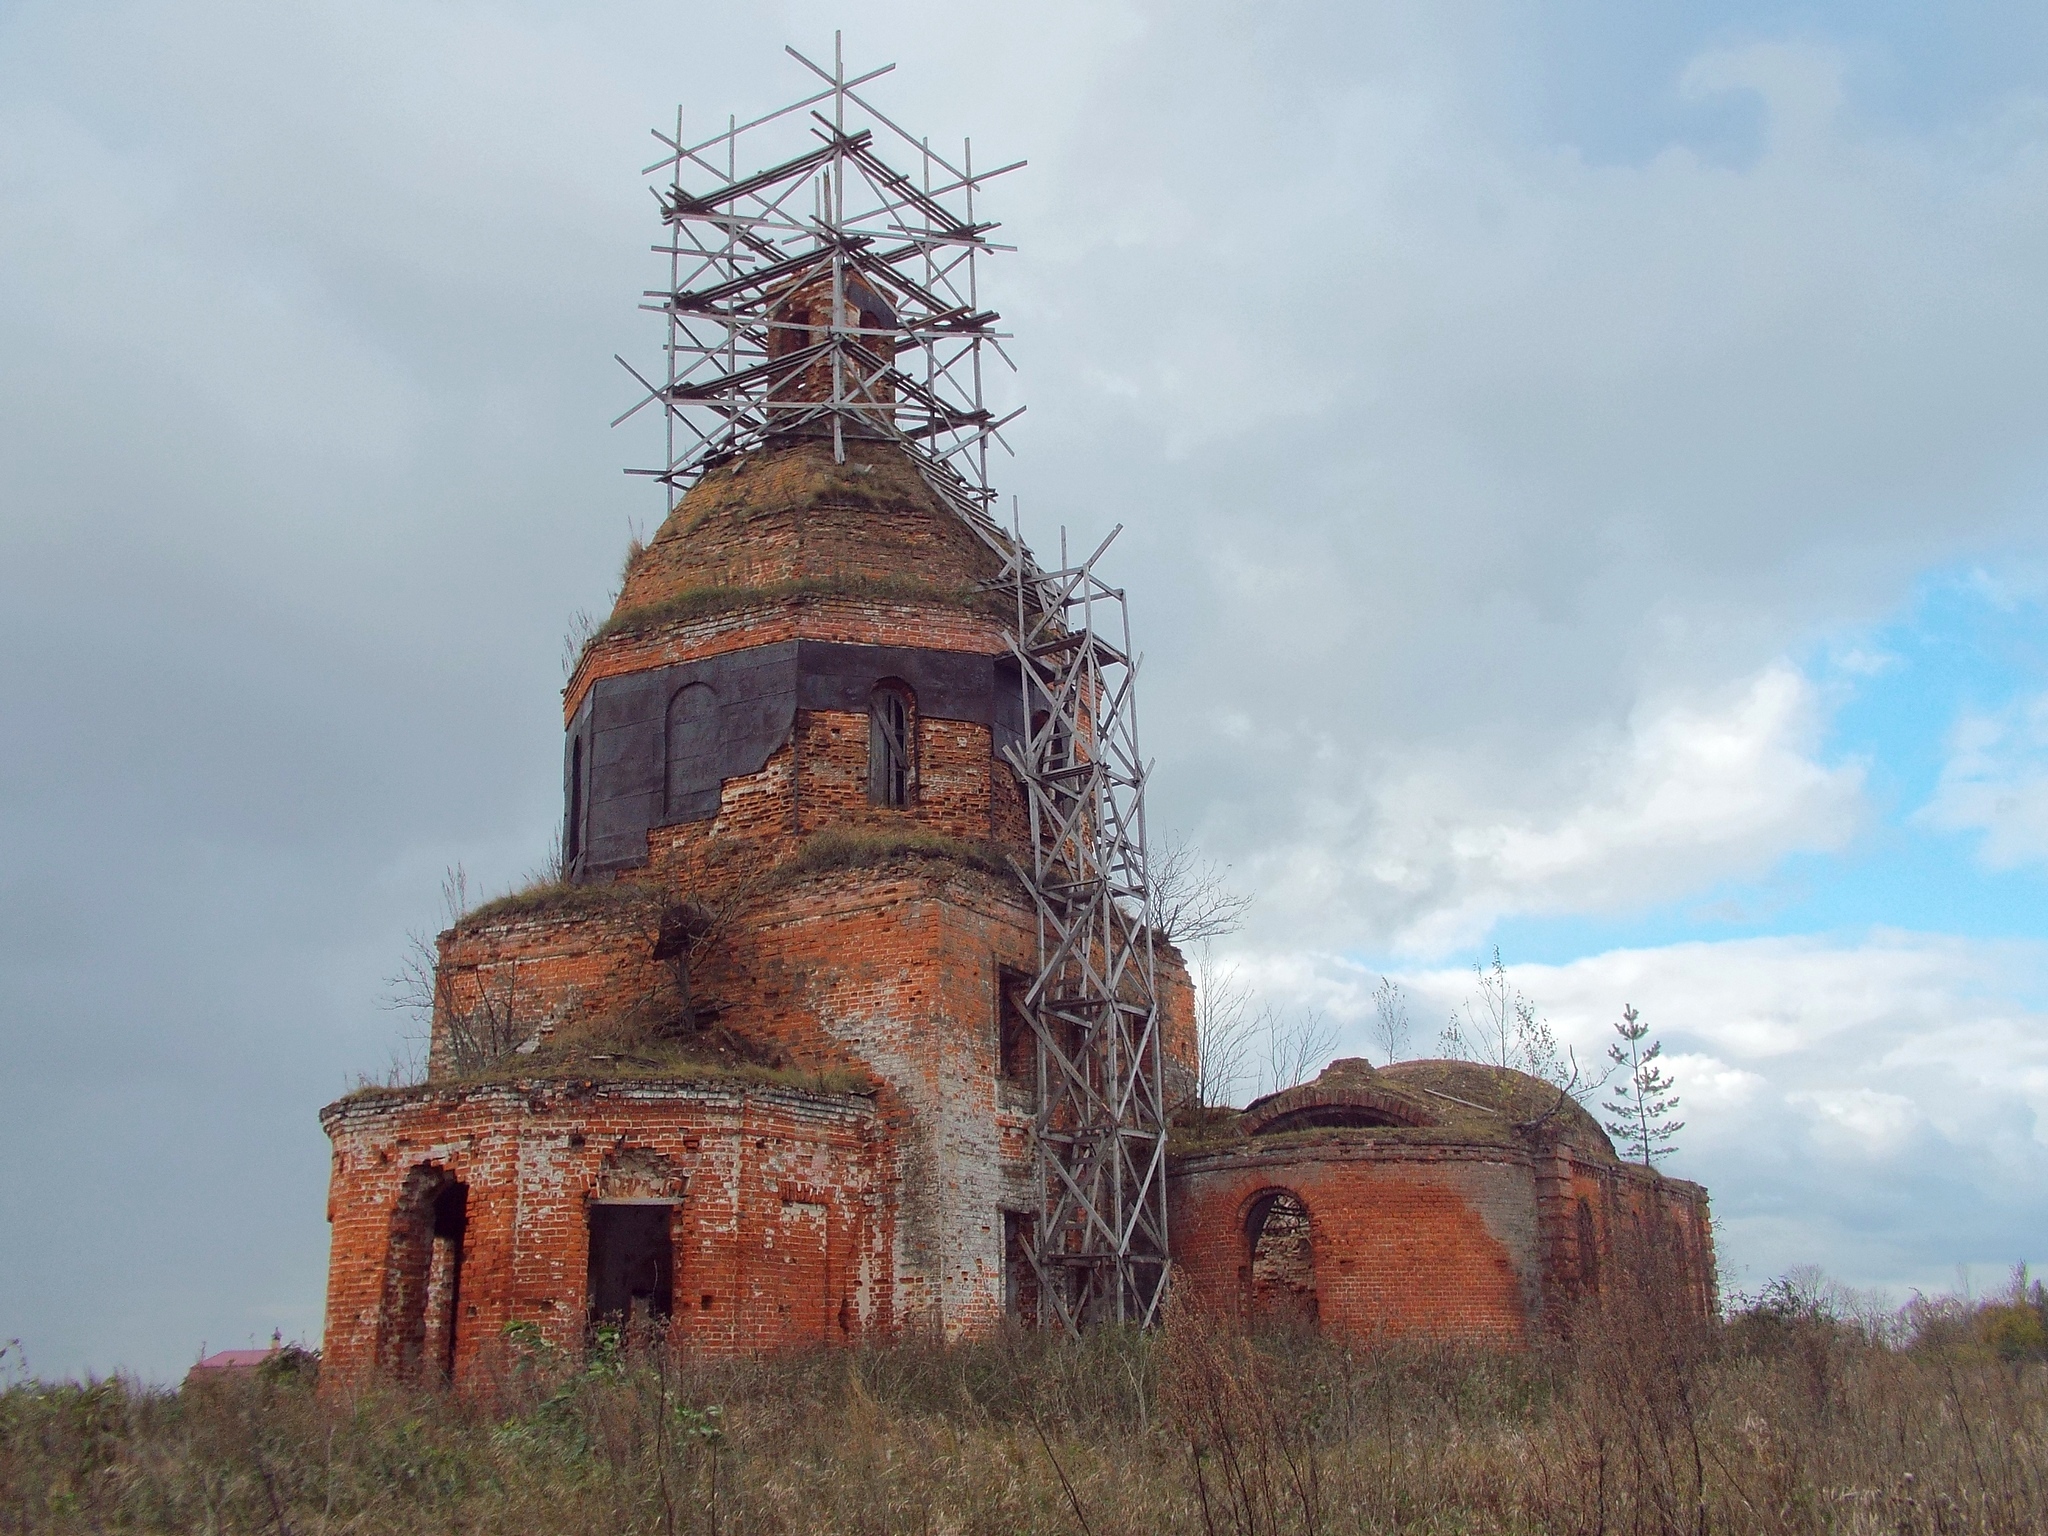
(1582, 471)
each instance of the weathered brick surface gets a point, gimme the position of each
(792, 514)
(780, 1222)
(1435, 1239)
(797, 1216)
(546, 972)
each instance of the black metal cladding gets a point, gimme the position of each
(657, 746)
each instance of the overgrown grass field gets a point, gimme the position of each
(1784, 1418)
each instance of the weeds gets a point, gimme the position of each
(1789, 1418)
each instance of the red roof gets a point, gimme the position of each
(231, 1360)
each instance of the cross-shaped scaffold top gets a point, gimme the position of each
(817, 291)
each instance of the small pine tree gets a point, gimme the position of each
(1643, 1099)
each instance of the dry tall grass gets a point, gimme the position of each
(1784, 1419)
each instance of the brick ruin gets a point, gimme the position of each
(753, 1074)
(1433, 1199)
(766, 1067)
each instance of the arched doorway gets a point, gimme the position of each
(422, 1309)
(1282, 1272)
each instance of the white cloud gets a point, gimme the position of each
(1477, 482)
(1693, 789)
(1996, 782)
(1859, 1123)
(1879, 1106)
(1479, 497)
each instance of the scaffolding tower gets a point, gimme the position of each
(832, 296)
(827, 295)
(1099, 1252)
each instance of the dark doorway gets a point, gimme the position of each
(1283, 1267)
(420, 1318)
(632, 1264)
(444, 1280)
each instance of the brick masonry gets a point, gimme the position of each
(779, 1220)
(1428, 1218)
(849, 1173)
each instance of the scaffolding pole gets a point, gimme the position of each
(1099, 1248)
(898, 358)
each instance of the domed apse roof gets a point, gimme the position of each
(788, 518)
(1435, 1100)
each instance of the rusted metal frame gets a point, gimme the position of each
(769, 372)
(689, 204)
(767, 213)
(845, 88)
(722, 351)
(700, 300)
(673, 219)
(741, 229)
(712, 261)
(887, 179)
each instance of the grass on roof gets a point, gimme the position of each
(838, 848)
(558, 898)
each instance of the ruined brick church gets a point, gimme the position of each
(846, 1018)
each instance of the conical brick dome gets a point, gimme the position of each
(789, 519)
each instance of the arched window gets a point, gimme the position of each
(419, 1325)
(892, 774)
(572, 839)
(692, 747)
(1283, 1264)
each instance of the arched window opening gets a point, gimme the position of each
(572, 837)
(444, 1281)
(692, 749)
(789, 326)
(1283, 1267)
(892, 773)
(421, 1322)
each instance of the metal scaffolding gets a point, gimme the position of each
(1099, 1252)
(828, 295)
(833, 297)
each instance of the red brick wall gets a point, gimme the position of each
(1413, 1239)
(547, 969)
(789, 514)
(1639, 1220)
(533, 1155)
(1435, 1242)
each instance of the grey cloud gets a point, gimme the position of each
(1438, 444)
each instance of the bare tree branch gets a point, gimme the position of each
(1297, 1047)
(1224, 1025)
(1190, 902)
